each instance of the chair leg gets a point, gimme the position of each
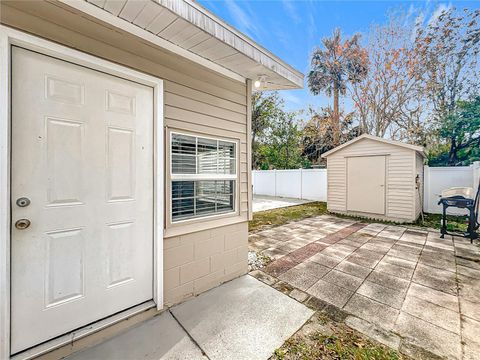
(471, 224)
(443, 229)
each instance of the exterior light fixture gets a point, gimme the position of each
(260, 82)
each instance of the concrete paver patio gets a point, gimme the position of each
(407, 284)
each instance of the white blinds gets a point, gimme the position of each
(203, 173)
(196, 155)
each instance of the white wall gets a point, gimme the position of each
(437, 179)
(311, 184)
(308, 184)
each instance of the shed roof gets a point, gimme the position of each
(416, 148)
(186, 24)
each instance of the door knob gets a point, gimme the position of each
(23, 201)
(22, 224)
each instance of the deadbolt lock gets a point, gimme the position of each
(22, 224)
(23, 202)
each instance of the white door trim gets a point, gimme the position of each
(8, 38)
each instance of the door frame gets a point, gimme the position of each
(10, 37)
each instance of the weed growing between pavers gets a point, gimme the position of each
(323, 338)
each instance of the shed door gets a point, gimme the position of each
(82, 154)
(366, 184)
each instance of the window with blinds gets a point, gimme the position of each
(203, 176)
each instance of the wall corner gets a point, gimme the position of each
(249, 149)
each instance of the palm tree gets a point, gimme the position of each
(333, 67)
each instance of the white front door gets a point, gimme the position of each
(366, 184)
(82, 154)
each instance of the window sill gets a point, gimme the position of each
(203, 224)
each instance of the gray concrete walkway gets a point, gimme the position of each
(262, 202)
(241, 319)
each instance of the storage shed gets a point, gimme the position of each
(376, 178)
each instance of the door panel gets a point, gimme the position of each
(82, 152)
(366, 184)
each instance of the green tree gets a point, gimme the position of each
(462, 129)
(282, 148)
(333, 68)
(266, 108)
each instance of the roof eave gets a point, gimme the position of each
(254, 59)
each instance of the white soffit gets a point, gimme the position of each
(193, 28)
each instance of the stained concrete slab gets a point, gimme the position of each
(382, 294)
(304, 275)
(470, 309)
(434, 278)
(353, 269)
(372, 311)
(242, 319)
(158, 338)
(375, 332)
(395, 270)
(330, 293)
(430, 337)
(343, 280)
(434, 314)
(434, 296)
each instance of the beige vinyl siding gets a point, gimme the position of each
(206, 252)
(399, 177)
(337, 183)
(196, 99)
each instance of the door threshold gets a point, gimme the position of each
(82, 332)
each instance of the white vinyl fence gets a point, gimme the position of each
(308, 184)
(437, 179)
(311, 184)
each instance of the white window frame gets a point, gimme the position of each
(10, 37)
(199, 177)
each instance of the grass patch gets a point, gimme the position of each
(281, 216)
(454, 223)
(332, 341)
(277, 217)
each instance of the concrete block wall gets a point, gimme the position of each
(196, 262)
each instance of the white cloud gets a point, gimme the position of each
(289, 7)
(438, 11)
(292, 99)
(244, 18)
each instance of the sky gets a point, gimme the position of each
(291, 29)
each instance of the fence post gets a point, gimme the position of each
(476, 174)
(301, 183)
(426, 188)
(275, 182)
(253, 182)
